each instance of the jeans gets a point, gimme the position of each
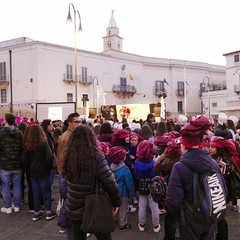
(41, 189)
(7, 178)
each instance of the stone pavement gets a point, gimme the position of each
(19, 226)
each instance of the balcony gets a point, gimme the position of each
(69, 78)
(237, 89)
(124, 90)
(180, 92)
(160, 92)
(4, 79)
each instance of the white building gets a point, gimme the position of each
(33, 72)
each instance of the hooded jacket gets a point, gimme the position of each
(10, 148)
(180, 185)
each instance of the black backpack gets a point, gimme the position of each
(143, 184)
(209, 198)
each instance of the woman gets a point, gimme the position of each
(38, 158)
(105, 132)
(82, 160)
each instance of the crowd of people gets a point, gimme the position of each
(125, 157)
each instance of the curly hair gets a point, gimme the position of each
(33, 137)
(80, 156)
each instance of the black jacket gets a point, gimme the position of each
(76, 192)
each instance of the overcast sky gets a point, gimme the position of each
(197, 30)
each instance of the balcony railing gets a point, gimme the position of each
(237, 89)
(80, 78)
(180, 92)
(4, 79)
(124, 89)
(160, 92)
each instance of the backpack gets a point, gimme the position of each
(158, 189)
(143, 184)
(209, 198)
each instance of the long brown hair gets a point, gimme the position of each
(80, 156)
(33, 137)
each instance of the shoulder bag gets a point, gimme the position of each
(98, 216)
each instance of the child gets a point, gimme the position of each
(117, 155)
(144, 167)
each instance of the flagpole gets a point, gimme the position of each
(185, 93)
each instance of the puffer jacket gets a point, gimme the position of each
(76, 192)
(10, 148)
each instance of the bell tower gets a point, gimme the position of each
(112, 40)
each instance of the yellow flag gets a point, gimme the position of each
(130, 77)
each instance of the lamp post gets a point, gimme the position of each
(69, 19)
(97, 94)
(208, 80)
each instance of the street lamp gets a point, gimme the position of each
(69, 19)
(97, 94)
(204, 85)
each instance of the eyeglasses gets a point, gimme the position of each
(77, 121)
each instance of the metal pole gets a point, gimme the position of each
(11, 87)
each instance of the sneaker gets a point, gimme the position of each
(157, 228)
(235, 208)
(162, 211)
(131, 209)
(125, 227)
(6, 210)
(88, 234)
(62, 230)
(135, 201)
(36, 216)
(51, 215)
(15, 209)
(30, 210)
(141, 227)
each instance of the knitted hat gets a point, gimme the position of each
(192, 133)
(116, 154)
(145, 151)
(173, 149)
(224, 143)
(222, 118)
(103, 146)
(135, 135)
(173, 134)
(182, 119)
(119, 134)
(161, 141)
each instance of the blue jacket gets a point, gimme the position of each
(144, 167)
(180, 185)
(124, 179)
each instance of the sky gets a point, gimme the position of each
(195, 30)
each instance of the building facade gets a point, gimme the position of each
(33, 72)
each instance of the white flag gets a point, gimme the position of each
(162, 113)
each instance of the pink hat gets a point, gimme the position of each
(145, 151)
(161, 141)
(192, 133)
(173, 149)
(224, 143)
(116, 154)
(135, 135)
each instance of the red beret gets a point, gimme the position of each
(135, 135)
(192, 133)
(145, 151)
(173, 149)
(224, 143)
(116, 154)
(161, 141)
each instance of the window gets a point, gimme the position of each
(214, 104)
(236, 58)
(3, 75)
(84, 74)
(69, 97)
(69, 72)
(180, 106)
(159, 86)
(3, 96)
(180, 86)
(123, 81)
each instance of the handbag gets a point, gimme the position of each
(97, 215)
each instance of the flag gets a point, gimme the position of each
(162, 113)
(165, 81)
(130, 77)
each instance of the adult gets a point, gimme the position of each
(150, 121)
(82, 163)
(221, 129)
(105, 132)
(11, 164)
(180, 187)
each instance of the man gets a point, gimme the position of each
(73, 121)
(11, 164)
